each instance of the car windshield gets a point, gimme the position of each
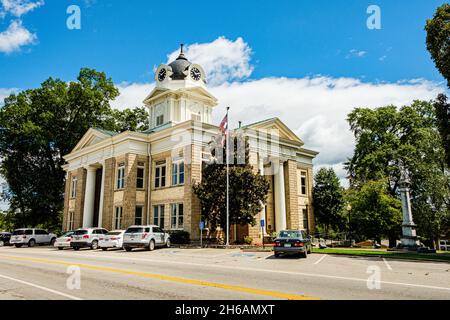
(67, 234)
(80, 232)
(291, 234)
(135, 230)
(114, 233)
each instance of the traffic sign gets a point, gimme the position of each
(202, 225)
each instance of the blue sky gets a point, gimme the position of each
(307, 62)
(288, 38)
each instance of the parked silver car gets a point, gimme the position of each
(64, 241)
(31, 237)
(148, 237)
(113, 239)
(87, 238)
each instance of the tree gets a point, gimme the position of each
(438, 40)
(328, 200)
(129, 119)
(247, 189)
(387, 136)
(442, 109)
(374, 212)
(38, 127)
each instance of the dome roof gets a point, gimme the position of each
(180, 65)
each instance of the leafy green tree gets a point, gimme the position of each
(247, 189)
(387, 136)
(374, 212)
(438, 40)
(442, 109)
(38, 127)
(129, 119)
(328, 200)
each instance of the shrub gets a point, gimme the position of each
(248, 240)
(180, 237)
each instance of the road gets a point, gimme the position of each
(42, 273)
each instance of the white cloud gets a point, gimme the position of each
(355, 54)
(19, 7)
(5, 92)
(315, 108)
(15, 37)
(223, 59)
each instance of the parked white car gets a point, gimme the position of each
(31, 237)
(113, 239)
(444, 245)
(64, 241)
(87, 238)
(148, 237)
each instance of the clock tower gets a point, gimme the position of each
(180, 94)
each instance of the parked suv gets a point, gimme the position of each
(148, 237)
(87, 238)
(31, 237)
(4, 238)
(444, 245)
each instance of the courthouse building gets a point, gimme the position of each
(119, 179)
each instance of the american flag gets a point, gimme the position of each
(224, 128)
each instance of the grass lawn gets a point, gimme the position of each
(440, 256)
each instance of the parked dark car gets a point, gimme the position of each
(292, 242)
(4, 238)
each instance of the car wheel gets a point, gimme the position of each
(94, 245)
(2, 243)
(104, 249)
(52, 242)
(31, 243)
(276, 254)
(151, 245)
(76, 248)
(60, 248)
(18, 245)
(127, 249)
(168, 243)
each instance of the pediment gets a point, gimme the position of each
(91, 137)
(276, 126)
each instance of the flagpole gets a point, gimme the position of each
(228, 179)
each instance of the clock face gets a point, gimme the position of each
(162, 75)
(196, 74)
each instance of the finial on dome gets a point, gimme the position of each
(181, 55)
(181, 48)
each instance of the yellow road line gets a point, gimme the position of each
(269, 293)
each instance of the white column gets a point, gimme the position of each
(89, 198)
(280, 200)
(263, 211)
(102, 192)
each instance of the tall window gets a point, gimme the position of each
(73, 187)
(160, 174)
(158, 215)
(118, 218)
(70, 220)
(176, 216)
(177, 172)
(303, 182)
(138, 215)
(196, 117)
(140, 175)
(305, 218)
(121, 176)
(159, 120)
